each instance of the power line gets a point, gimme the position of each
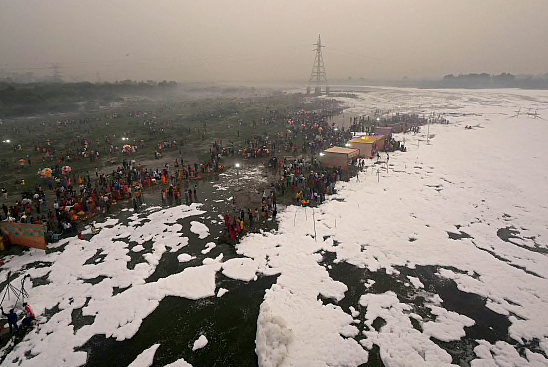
(151, 60)
(354, 54)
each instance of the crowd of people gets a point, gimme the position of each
(80, 196)
(297, 180)
(400, 122)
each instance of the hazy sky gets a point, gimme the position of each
(245, 40)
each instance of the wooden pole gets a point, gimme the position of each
(314, 219)
(428, 133)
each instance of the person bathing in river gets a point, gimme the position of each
(29, 315)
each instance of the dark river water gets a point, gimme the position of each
(229, 322)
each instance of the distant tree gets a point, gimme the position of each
(30, 98)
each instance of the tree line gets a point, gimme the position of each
(503, 80)
(19, 99)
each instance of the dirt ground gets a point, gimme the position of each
(220, 119)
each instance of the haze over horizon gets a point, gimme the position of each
(245, 40)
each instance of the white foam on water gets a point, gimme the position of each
(199, 343)
(240, 268)
(208, 247)
(137, 248)
(146, 357)
(415, 281)
(199, 228)
(221, 292)
(467, 178)
(53, 341)
(185, 257)
(179, 363)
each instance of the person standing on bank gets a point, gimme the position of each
(12, 320)
(29, 315)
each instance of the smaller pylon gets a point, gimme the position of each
(56, 73)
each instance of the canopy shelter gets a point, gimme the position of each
(368, 145)
(338, 157)
(46, 172)
(24, 234)
(385, 131)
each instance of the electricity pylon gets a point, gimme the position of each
(318, 76)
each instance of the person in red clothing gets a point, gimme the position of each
(231, 233)
(226, 218)
(29, 315)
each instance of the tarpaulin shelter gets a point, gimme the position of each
(368, 145)
(28, 235)
(338, 157)
(385, 131)
(46, 172)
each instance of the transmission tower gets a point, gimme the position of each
(318, 76)
(56, 73)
